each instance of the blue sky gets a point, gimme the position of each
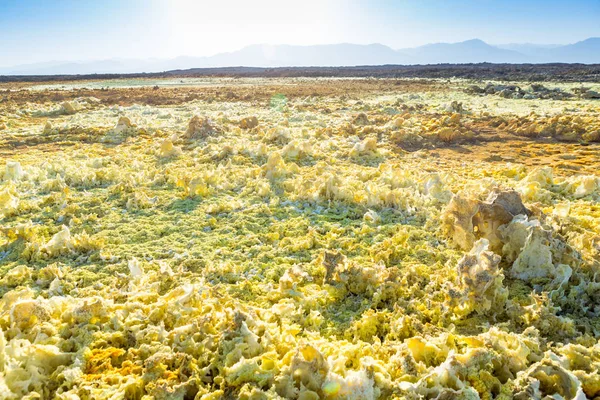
(45, 30)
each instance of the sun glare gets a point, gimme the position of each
(205, 28)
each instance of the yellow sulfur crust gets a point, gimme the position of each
(345, 239)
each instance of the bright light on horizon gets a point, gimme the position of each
(34, 31)
(206, 28)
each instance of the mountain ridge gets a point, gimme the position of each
(331, 55)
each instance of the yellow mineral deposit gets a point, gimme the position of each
(378, 239)
(123, 125)
(249, 123)
(47, 128)
(167, 149)
(68, 107)
(9, 200)
(13, 171)
(200, 127)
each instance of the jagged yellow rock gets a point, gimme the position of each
(480, 281)
(265, 262)
(167, 149)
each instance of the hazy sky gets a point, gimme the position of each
(46, 30)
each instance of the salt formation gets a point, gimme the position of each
(275, 166)
(434, 187)
(135, 269)
(585, 186)
(249, 122)
(48, 129)
(535, 252)
(480, 281)
(265, 263)
(278, 135)
(466, 219)
(17, 276)
(356, 385)
(121, 131)
(200, 128)
(124, 125)
(167, 149)
(458, 220)
(449, 128)
(68, 108)
(139, 200)
(9, 200)
(368, 145)
(499, 209)
(361, 119)
(332, 262)
(297, 149)
(537, 185)
(550, 375)
(372, 217)
(562, 127)
(61, 242)
(26, 313)
(13, 171)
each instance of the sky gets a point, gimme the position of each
(33, 31)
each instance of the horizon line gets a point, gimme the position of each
(77, 61)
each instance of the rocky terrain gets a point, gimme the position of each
(504, 72)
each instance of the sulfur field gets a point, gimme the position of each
(299, 238)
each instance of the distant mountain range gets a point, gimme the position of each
(470, 51)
